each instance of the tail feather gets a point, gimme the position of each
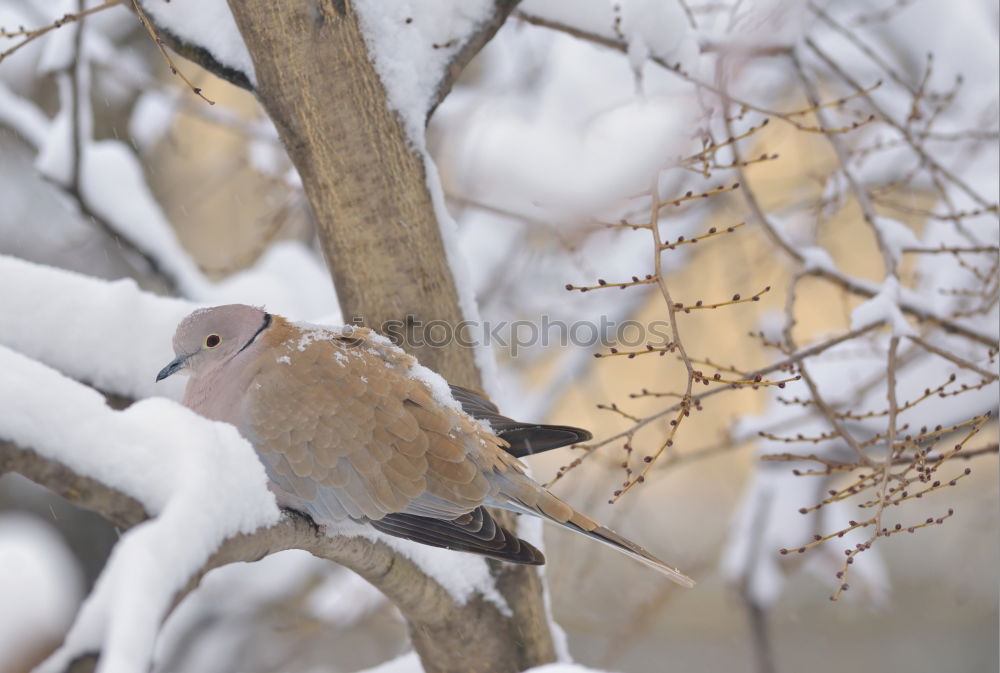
(632, 550)
(523, 439)
(555, 510)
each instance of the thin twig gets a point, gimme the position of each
(170, 62)
(961, 362)
(848, 283)
(31, 35)
(836, 142)
(884, 116)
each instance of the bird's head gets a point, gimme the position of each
(212, 336)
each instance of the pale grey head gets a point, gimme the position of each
(212, 336)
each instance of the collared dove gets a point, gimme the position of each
(348, 426)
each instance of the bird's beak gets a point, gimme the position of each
(175, 365)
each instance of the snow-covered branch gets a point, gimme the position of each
(199, 481)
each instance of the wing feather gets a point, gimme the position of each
(349, 433)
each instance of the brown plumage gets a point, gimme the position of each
(349, 426)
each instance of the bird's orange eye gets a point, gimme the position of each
(213, 340)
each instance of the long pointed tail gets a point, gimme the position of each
(552, 508)
(612, 539)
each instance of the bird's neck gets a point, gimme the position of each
(218, 393)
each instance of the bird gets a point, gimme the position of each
(350, 426)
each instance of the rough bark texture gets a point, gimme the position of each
(368, 191)
(366, 185)
(204, 58)
(473, 638)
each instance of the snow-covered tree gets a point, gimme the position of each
(822, 175)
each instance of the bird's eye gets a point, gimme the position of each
(213, 340)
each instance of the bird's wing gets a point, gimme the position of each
(476, 532)
(344, 429)
(523, 439)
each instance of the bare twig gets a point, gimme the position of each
(622, 46)
(849, 283)
(951, 357)
(166, 56)
(891, 430)
(907, 134)
(472, 46)
(31, 35)
(860, 194)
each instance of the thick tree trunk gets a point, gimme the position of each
(366, 184)
(373, 210)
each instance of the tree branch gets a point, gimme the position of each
(204, 58)
(501, 10)
(115, 506)
(198, 54)
(427, 606)
(378, 226)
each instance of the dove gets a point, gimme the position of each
(350, 426)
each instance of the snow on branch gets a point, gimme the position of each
(109, 334)
(199, 480)
(204, 31)
(419, 48)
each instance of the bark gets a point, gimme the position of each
(203, 57)
(365, 183)
(368, 190)
(474, 637)
(382, 241)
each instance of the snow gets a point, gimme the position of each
(200, 480)
(411, 44)
(112, 185)
(883, 307)
(208, 24)
(767, 22)
(151, 118)
(564, 668)
(483, 356)
(204, 481)
(41, 584)
(768, 519)
(569, 150)
(289, 279)
(23, 116)
(110, 170)
(344, 599)
(118, 337)
(815, 258)
(545, 127)
(410, 663)
(20, 70)
(110, 334)
(593, 16)
(211, 625)
(461, 575)
(896, 236)
(656, 28)
(407, 663)
(58, 52)
(55, 155)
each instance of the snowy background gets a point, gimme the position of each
(127, 201)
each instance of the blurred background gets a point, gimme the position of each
(550, 132)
